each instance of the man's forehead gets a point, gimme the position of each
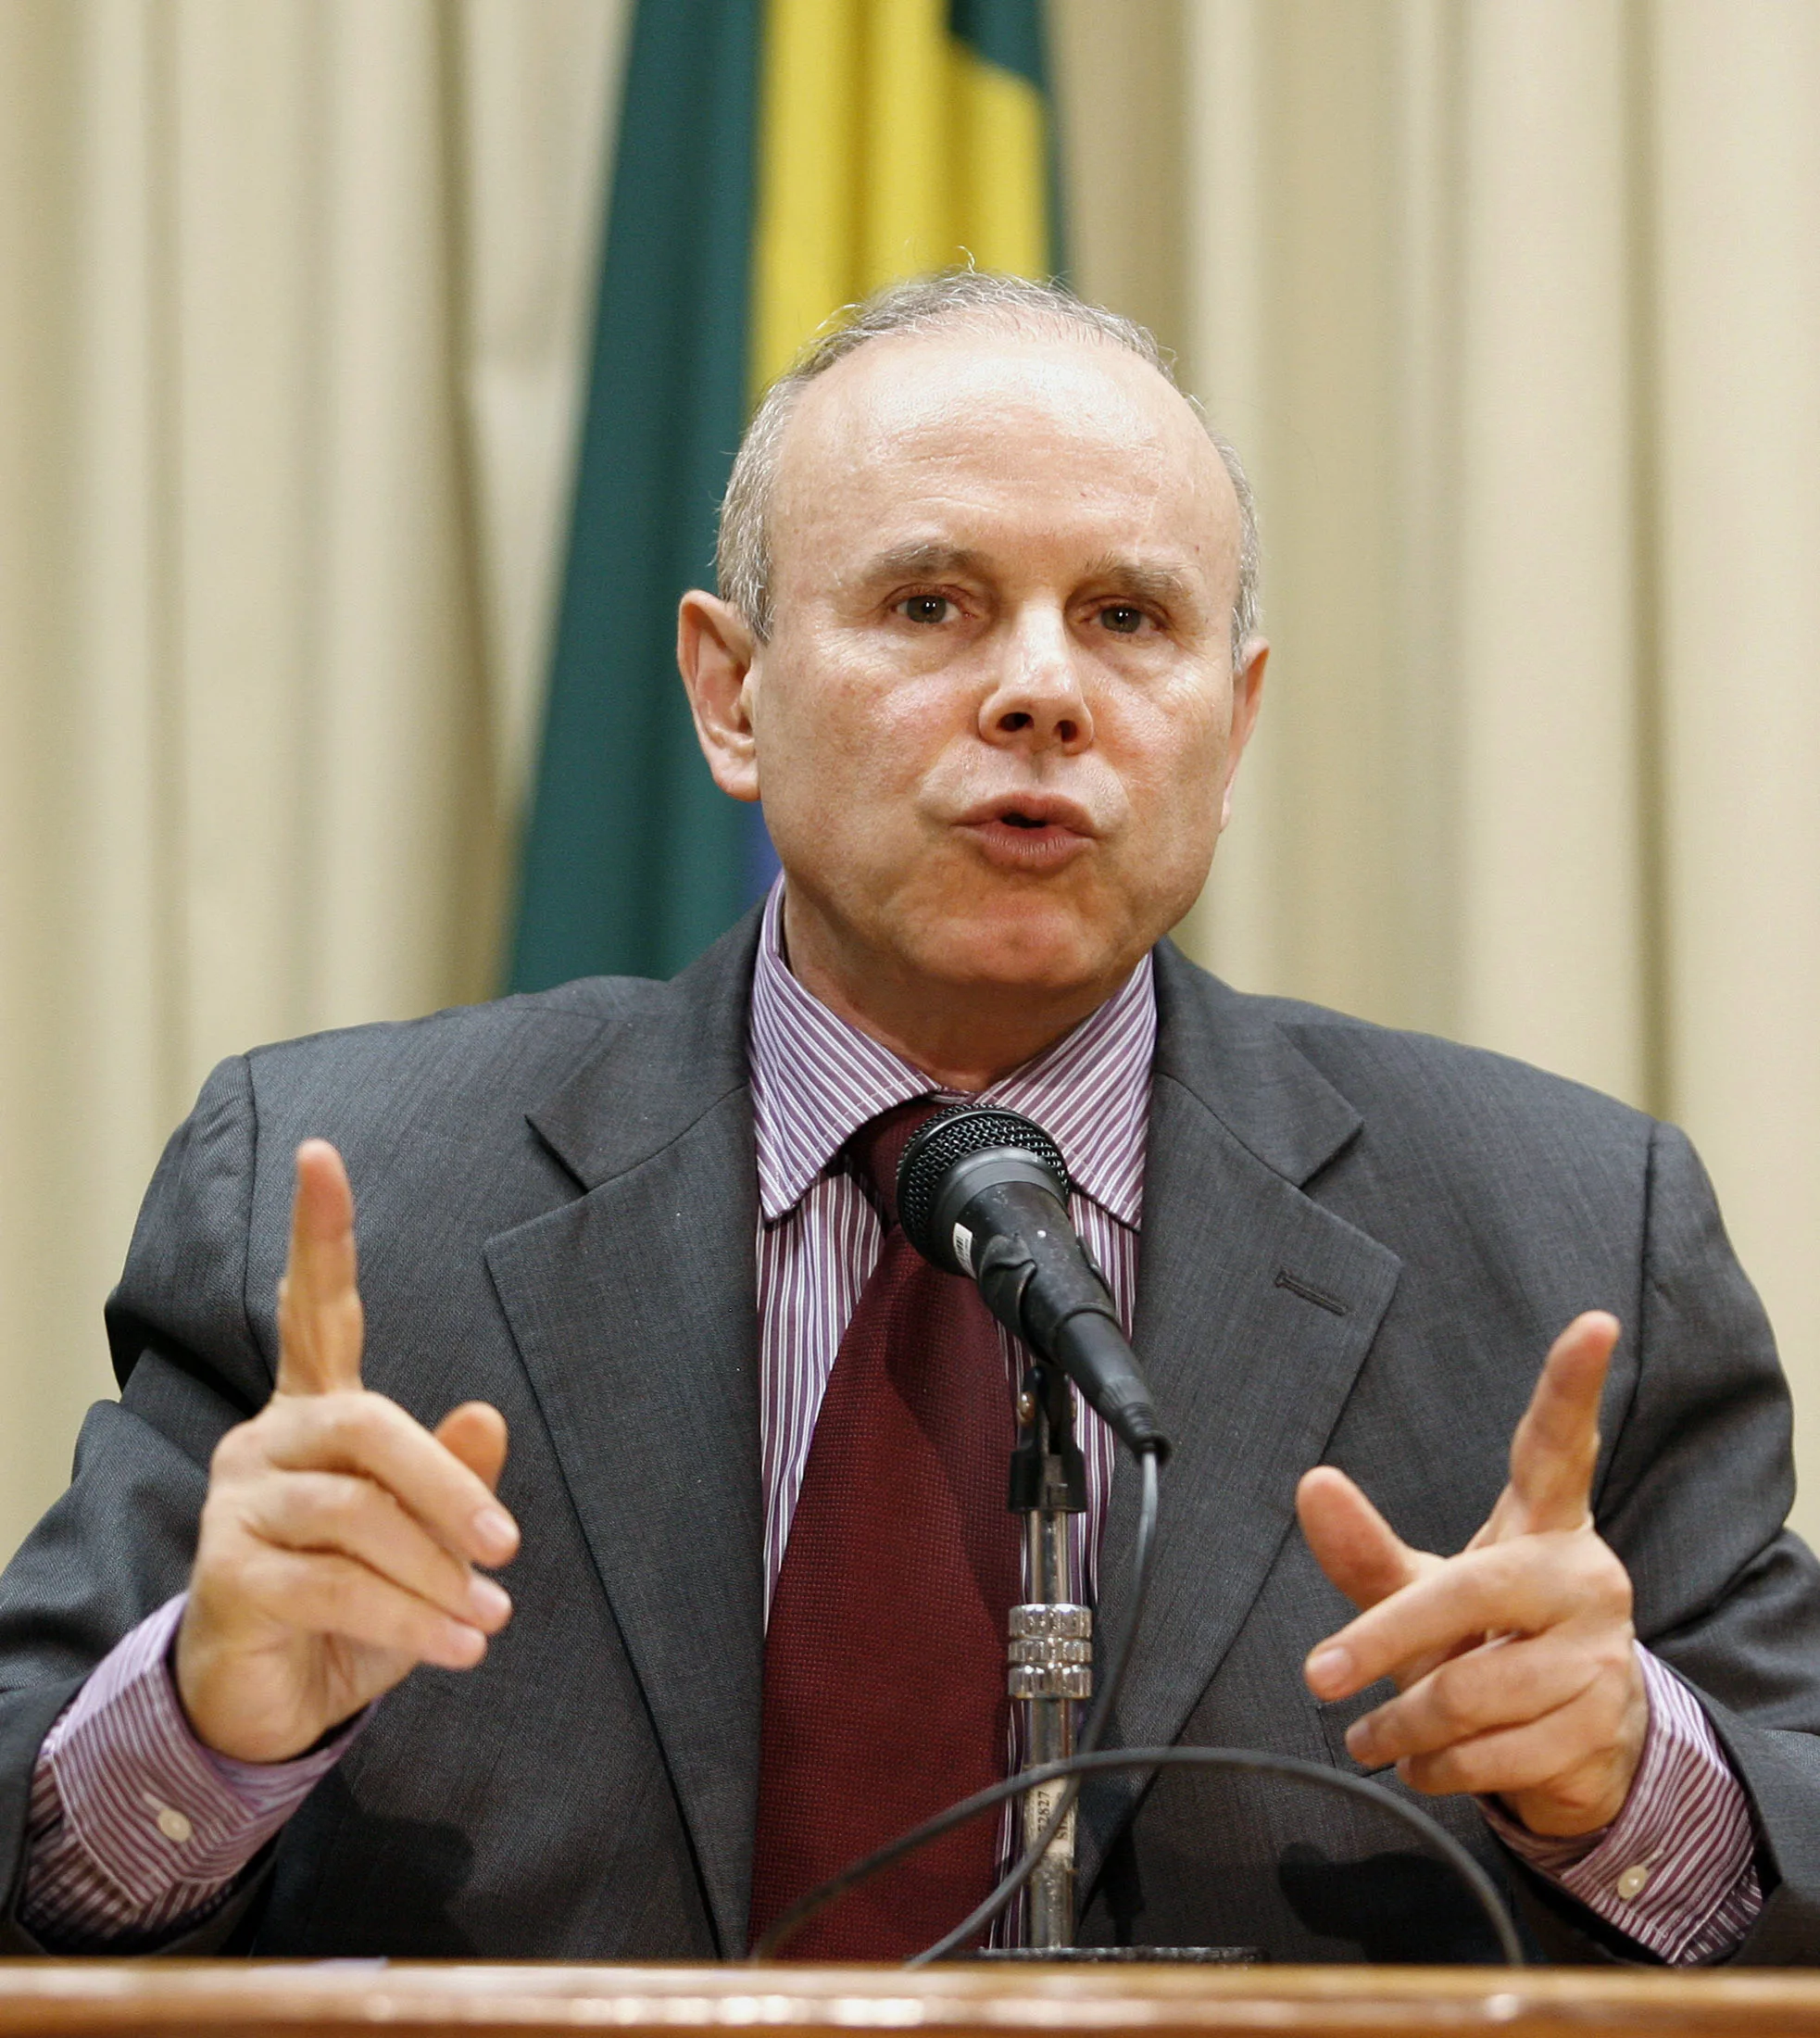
(911, 431)
(986, 378)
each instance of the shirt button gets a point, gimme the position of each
(1630, 1883)
(177, 1829)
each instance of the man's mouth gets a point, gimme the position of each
(1030, 832)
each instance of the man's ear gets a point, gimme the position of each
(1248, 694)
(716, 653)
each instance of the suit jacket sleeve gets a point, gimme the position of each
(1693, 1499)
(121, 1540)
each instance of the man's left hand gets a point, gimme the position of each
(1514, 1661)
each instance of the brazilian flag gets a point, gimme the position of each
(777, 159)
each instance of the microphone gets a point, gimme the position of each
(983, 1192)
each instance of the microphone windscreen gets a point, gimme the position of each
(955, 1135)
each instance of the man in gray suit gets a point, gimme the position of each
(985, 644)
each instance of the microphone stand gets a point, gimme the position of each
(1050, 1655)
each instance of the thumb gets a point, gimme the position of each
(475, 1433)
(1352, 1542)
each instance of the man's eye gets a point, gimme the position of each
(1122, 618)
(926, 607)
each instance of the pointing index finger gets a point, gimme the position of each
(1555, 1449)
(320, 1325)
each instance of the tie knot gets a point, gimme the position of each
(878, 1146)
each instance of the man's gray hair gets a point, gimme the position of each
(743, 563)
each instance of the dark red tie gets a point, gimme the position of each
(885, 1658)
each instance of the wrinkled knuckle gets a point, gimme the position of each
(1613, 1583)
(340, 1503)
(1505, 1566)
(286, 1495)
(377, 1415)
(351, 1424)
(1466, 1767)
(1448, 1703)
(1430, 1774)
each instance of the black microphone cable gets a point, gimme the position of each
(1472, 1876)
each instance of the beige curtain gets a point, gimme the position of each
(1511, 304)
(293, 297)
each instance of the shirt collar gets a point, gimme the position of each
(816, 1079)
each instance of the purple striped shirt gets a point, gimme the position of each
(815, 1081)
(136, 1830)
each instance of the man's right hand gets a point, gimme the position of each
(339, 1537)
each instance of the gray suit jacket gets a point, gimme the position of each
(1357, 1246)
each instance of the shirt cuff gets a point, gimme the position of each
(136, 1826)
(1675, 1870)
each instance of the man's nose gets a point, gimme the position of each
(1038, 699)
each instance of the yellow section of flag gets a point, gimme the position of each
(886, 146)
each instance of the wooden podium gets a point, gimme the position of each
(315, 2000)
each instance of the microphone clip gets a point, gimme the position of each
(1049, 1474)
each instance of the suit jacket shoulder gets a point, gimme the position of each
(1490, 1101)
(474, 1119)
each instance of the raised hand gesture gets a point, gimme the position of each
(339, 1537)
(1514, 1661)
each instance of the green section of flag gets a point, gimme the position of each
(632, 860)
(1006, 32)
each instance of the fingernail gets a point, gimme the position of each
(496, 1533)
(1328, 1668)
(492, 1603)
(1359, 1738)
(466, 1645)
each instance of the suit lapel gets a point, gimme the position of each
(1255, 1309)
(635, 1314)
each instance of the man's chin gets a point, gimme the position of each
(1022, 948)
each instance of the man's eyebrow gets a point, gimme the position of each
(1166, 588)
(925, 560)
